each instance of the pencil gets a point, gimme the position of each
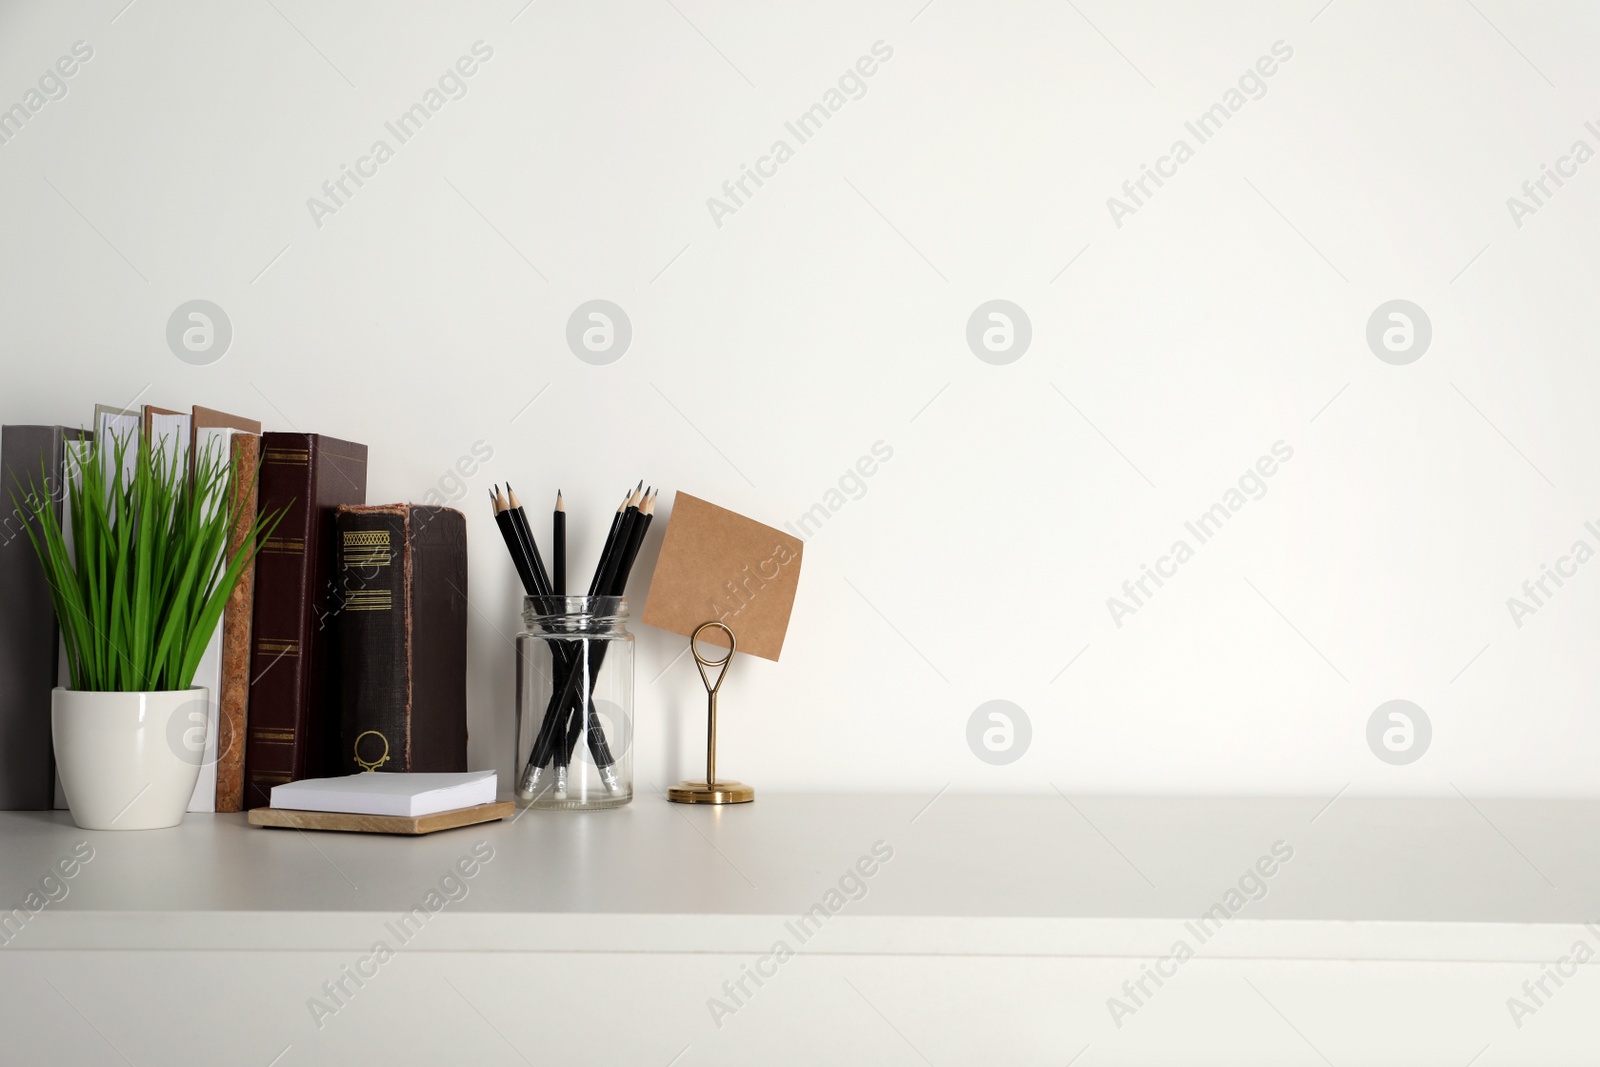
(558, 547)
(625, 550)
(641, 527)
(611, 540)
(604, 579)
(576, 714)
(513, 544)
(606, 576)
(519, 522)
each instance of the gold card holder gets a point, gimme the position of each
(710, 790)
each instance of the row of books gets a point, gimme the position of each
(342, 649)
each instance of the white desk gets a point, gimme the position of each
(998, 931)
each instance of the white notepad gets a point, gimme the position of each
(378, 793)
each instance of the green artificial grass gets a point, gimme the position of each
(139, 593)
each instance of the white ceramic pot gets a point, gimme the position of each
(128, 760)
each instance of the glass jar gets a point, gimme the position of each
(574, 703)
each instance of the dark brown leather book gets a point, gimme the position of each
(238, 620)
(294, 675)
(403, 638)
(30, 457)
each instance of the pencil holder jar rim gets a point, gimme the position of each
(566, 614)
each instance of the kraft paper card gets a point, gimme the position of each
(718, 566)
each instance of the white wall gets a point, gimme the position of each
(829, 312)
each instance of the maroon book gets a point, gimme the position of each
(294, 675)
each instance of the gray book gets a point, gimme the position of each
(30, 456)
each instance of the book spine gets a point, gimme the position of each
(438, 605)
(29, 456)
(375, 639)
(341, 481)
(237, 623)
(275, 744)
(76, 446)
(294, 658)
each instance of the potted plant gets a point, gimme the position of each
(140, 570)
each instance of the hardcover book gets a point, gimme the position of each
(76, 449)
(169, 432)
(117, 426)
(191, 438)
(294, 685)
(30, 456)
(238, 618)
(403, 574)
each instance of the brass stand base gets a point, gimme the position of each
(724, 792)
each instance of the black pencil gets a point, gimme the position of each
(558, 547)
(626, 552)
(513, 523)
(630, 536)
(606, 574)
(647, 513)
(595, 587)
(519, 522)
(576, 715)
(604, 578)
(519, 559)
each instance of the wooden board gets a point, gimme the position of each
(289, 819)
